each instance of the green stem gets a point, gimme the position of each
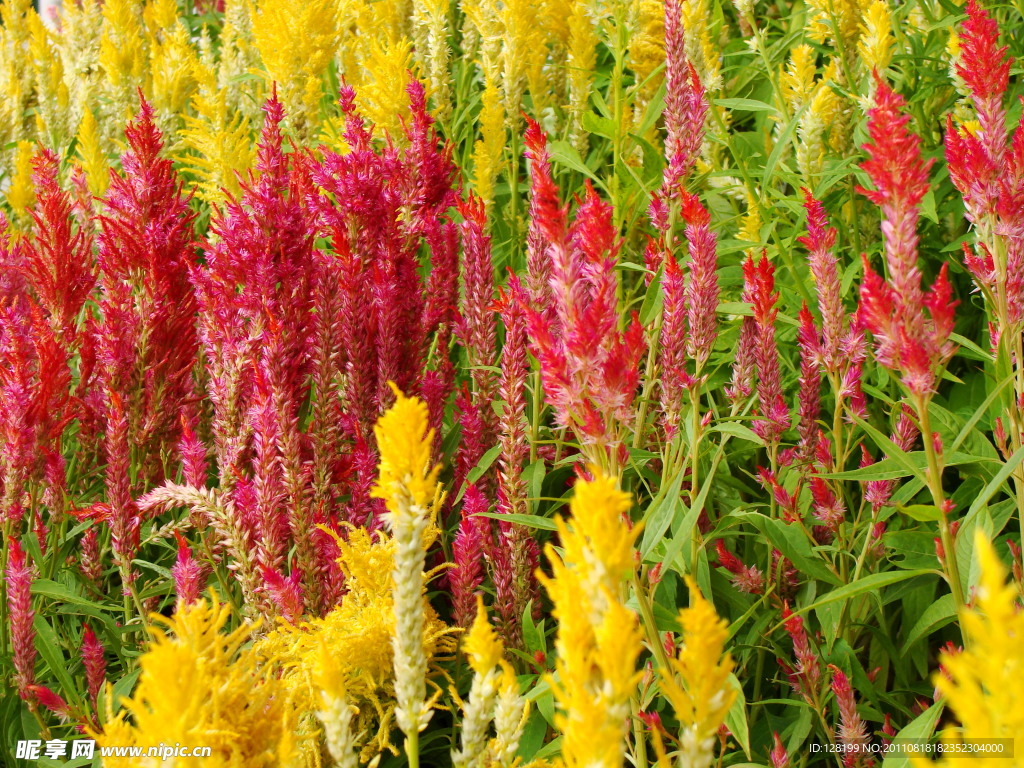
(938, 498)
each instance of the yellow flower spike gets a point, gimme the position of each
(482, 644)
(22, 194)
(877, 43)
(700, 48)
(490, 148)
(701, 694)
(798, 77)
(93, 160)
(597, 509)
(382, 96)
(974, 685)
(405, 441)
(598, 641)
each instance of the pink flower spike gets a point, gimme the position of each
(95, 663)
(285, 593)
(188, 573)
(852, 730)
(19, 577)
(985, 68)
(778, 757)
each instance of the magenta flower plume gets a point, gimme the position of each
(146, 332)
(806, 675)
(906, 339)
(702, 289)
(985, 68)
(819, 242)
(778, 757)
(95, 663)
(810, 382)
(852, 730)
(675, 380)
(686, 104)
(759, 290)
(515, 368)
(546, 214)
(189, 575)
(989, 173)
(285, 593)
(746, 578)
(477, 329)
(19, 578)
(468, 549)
(590, 368)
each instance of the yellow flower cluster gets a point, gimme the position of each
(598, 641)
(345, 658)
(977, 683)
(201, 687)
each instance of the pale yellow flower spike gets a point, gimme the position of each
(582, 58)
(408, 485)
(979, 685)
(382, 98)
(599, 640)
(485, 650)
(700, 694)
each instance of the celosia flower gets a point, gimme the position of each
(229, 703)
(598, 640)
(746, 578)
(471, 541)
(408, 485)
(484, 651)
(589, 366)
(993, 653)
(852, 731)
(19, 578)
(700, 693)
(759, 290)
(906, 339)
(806, 676)
(95, 663)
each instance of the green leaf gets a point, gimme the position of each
(920, 727)
(870, 583)
(563, 153)
(736, 718)
(995, 483)
(62, 594)
(745, 105)
(938, 614)
(791, 542)
(599, 126)
(478, 471)
(49, 648)
(531, 521)
(924, 513)
(659, 515)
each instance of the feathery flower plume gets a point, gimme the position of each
(906, 340)
(477, 328)
(778, 757)
(19, 578)
(806, 676)
(675, 380)
(686, 105)
(468, 548)
(746, 578)
(819, 242)
(702, 288)
(408, 485)
(852, 730)
(590, 368)
(189, 576)
(95, 663)
(810, 382)
(598, 640)
(700, 692)
(759, 290)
